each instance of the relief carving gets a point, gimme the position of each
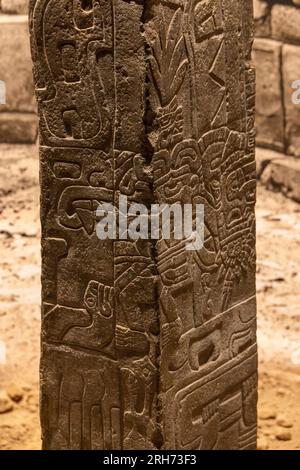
(146, 345)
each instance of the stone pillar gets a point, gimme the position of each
(146, 345)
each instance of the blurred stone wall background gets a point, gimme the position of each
(277, 60)
(18, 122)
(276, 56)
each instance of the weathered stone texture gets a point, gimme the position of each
(269, 104)
(210, 158)
(264, 157)
(283, 174)
(146, 346)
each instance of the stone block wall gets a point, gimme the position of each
(18, 122)
(276, 57)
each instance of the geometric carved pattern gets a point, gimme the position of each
(146, 346)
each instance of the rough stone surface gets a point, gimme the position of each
(14, 392)
(285, 22)
(264, 157)
(146, 345)
(269, 105)
(291, 72)
(283, 175)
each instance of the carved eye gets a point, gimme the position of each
(234, 216)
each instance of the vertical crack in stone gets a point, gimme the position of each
(149, 118)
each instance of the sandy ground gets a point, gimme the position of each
(278, 281)
(19, 297)
(278, 309)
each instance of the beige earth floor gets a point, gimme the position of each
(278, 282)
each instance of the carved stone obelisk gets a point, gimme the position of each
(146, 344)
